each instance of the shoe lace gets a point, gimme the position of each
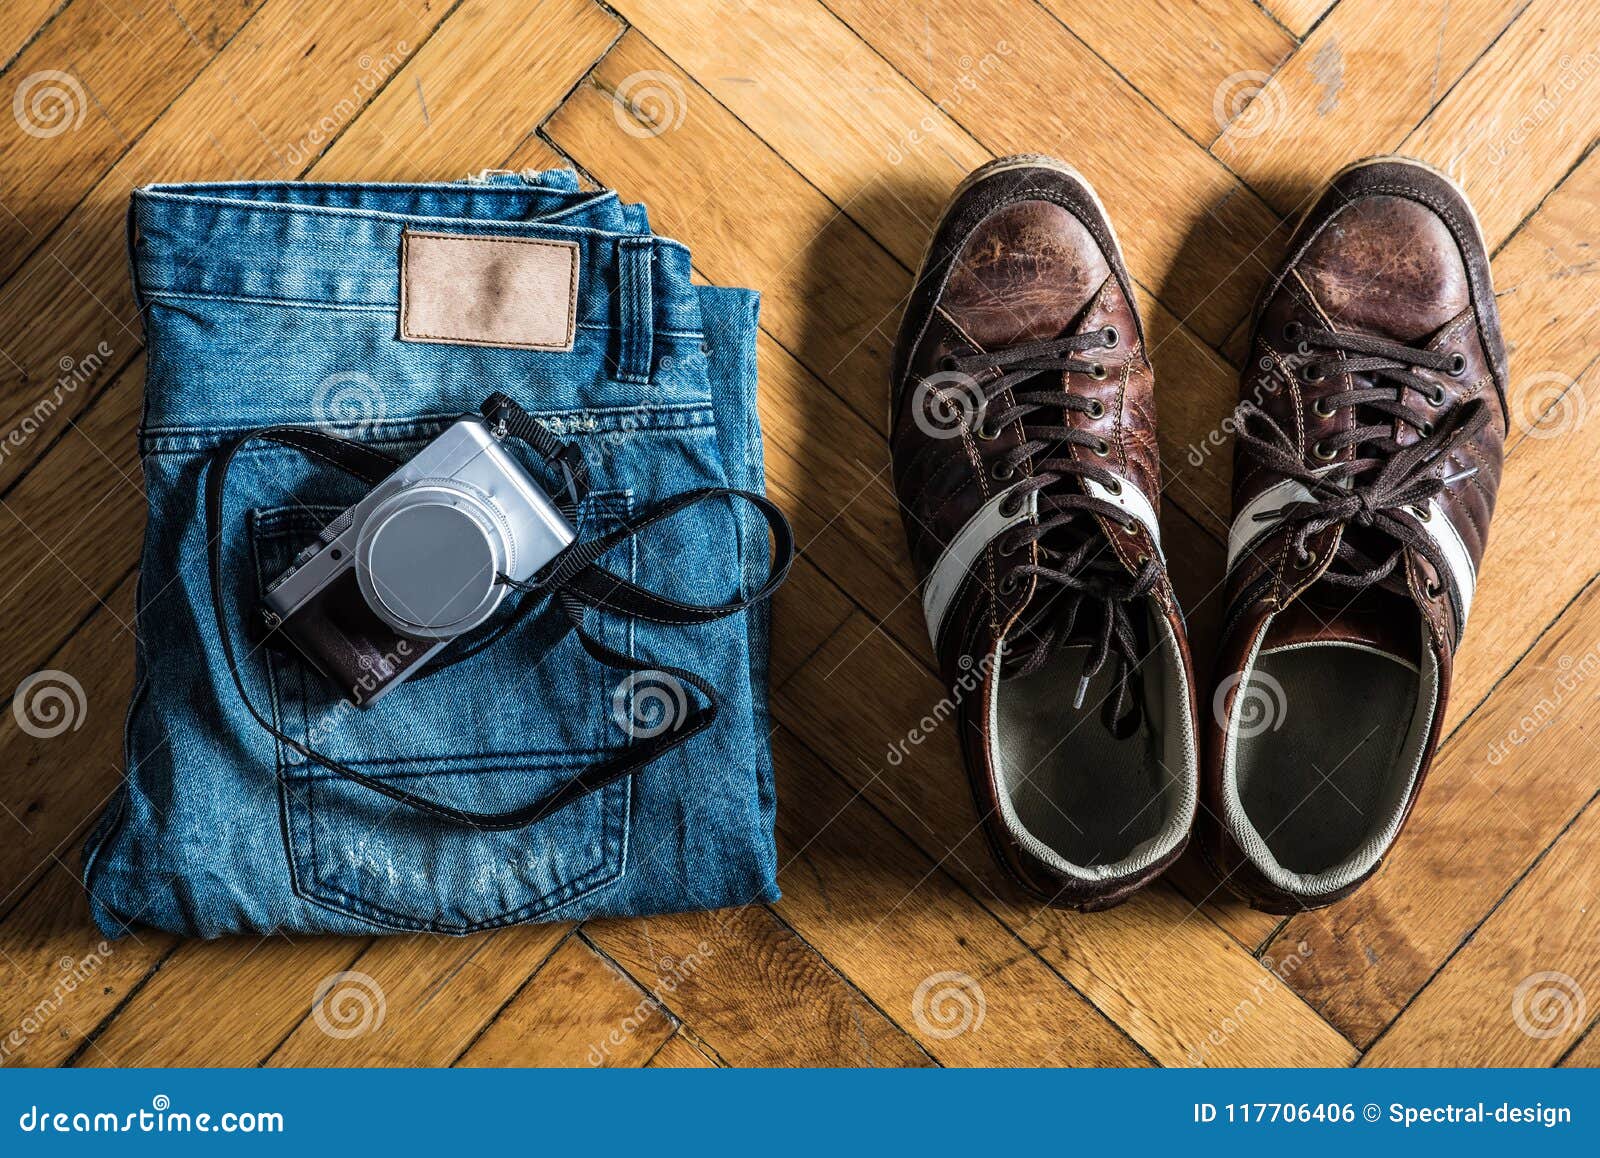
(1071, 559)
(1384, 476)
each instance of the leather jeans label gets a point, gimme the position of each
(473, 290)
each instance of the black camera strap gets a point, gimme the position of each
(575, 579)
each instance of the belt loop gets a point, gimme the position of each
(636, 311)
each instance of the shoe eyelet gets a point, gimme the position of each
(1002, 472)
(1007, 546)
(1102, 447)
(1131, 529)
(948, 362)
(1320, 409)
(1109, 337)
(1141, 560)
(1306, 374)
(1321, 451)
(1010, 506)
(1433, 590)
(1009, 584)
(1436, 396)
(1303, 561)
(1293, 331)
(1427, 430)
(1114, 487)
(1099, 372)
(1097, 409)
(1425, 514)
(983, 432)
(1458, 365)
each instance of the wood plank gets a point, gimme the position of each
(1355, 87)
(193, 1014)
(922, 948)
(753, 991)
(1298, 16)
(1521, 117)
(439, 993)
(455, 108)
(828, 289)
(20, 22)
(57, 783)
(1517, 993)
(1500, 791)
(92, 82)
(578, 1010)
(1587, 1052)
(1192, 233)
(1170, 978)
(679, 1053)
(58, 977)
(1547, 283)
(767, 63)
(261, 107)
(1182, 56)
(76, 522)
(806, 610)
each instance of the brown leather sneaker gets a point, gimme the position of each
(1022, 422)
(1367, 460)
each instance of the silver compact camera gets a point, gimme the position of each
(417, 562)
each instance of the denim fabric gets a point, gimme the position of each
(277, 303)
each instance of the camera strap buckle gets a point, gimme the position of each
(510, 420)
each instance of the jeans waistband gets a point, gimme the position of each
(338, 245)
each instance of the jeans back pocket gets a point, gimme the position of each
(495, 731)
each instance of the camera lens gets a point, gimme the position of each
(429, 559)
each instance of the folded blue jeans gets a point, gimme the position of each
(279, 303)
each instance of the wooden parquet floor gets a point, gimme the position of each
(804, 147)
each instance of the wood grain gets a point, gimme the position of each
(578, 1010)
(1516, 994)
(1359, 84)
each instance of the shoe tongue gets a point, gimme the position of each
(1376, 617)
